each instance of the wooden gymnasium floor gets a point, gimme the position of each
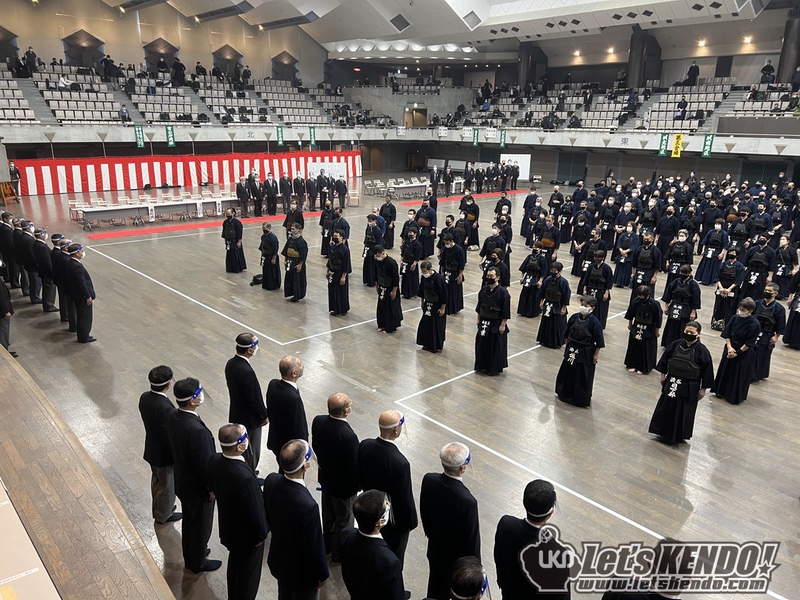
(166, 298)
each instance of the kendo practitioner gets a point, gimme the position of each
(593, 245)
(726, 296)
(448, 229)
(550, 237)
(426, 219)
(627, 242)
(295, 253)
(597, 282)
(649, 217)
(243, 194)
(411, 253)
(681, 302)
(432, 198)
(533, 270)
(389, 213)
(473, 213)
(772, 317)
(326, 226)
(741, 230)
(527, 206)
(735, 370)
(433, 291)
(759, 262)
(646, 260)
(452, 260)
(293, 215)
(409, 224)
(312, 191)
(341, 224)
(666, 232)
(337, 271)
(715, 244)
(232, 234)
(606, 217)
(791, 336)
(502, 202)
(554, 296)
(495, 260)
(270, 261)
(493, 312)
(389, 312)
(565, 219)
(644, 326)
(687, 372)
(507, 234)
(626, 217)
(785, 266)
(269, 191)
(584, 336)
(680, 253)
(372, 238)
(491, 243)
(299, 189)
(285, 186)
(240, 511)
(580, 239)
(464, 229)
(762, 223)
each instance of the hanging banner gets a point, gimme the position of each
(677, 145)
(708, 141)
(502, 138)
(279, 133)
(138, 131)
(312, 136)
(170, 136)
(475, 136)
(663, 145)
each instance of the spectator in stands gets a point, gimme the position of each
(215, 72)
(768, 73)
(65, 84)
(795, 80)
(633, 101)
(680, 112)
(200, 70)
(752, 95)
(486, 90)
(178, 72)
(246, 75)
(161, 65)
(124, 114)
(776, 108)
(54, 62)
(107, 63)
(30, 61)
(692, 74)
(793, 102)
(237, 74)
(528, 91)
(143, 69)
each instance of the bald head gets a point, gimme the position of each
(391, 424)
(291, 368)
(339, 405)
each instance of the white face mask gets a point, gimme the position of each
(717, 226)
(585, 310)
(428, 274)
(629, 229)
(681, 238)
(741, 313)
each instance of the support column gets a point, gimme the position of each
(790, 52)
(637, 58)
(530, 59)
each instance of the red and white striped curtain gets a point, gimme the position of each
(78, 175)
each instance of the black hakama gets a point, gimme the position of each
(735, 374)
(791, 336)
(455, 292)
(431, 328)
(295, 252)
(642, 341)
(389, 312)
(553, 323)
(673, 417)
(575, 378)
(491, 346)
(234, 250)
(533, 270)
(271, 266)
(771, 323)
(338, 293)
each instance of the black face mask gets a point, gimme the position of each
(553, 275)
(490, 280)
(690, 337)
(762, 242)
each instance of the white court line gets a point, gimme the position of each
(19, 576)
(189, 298)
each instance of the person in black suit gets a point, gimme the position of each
(244, 391)
(336, 446)
(44, 270)
(449, 514)
(7, 249)
(369, 567)
(192, 447)
(240, 509)
(382, 466)
(312, 191)
(285, 410)
(61, 264)
(296, 552)
(23, 251)
(156, 411)
(324, 186)
(340, 185)
(81, 293)
(299, 189)
(17, 235)
(285, 185)
(513, 535)
(256, 190)
(6, 312)
(269, 191)
(243, 194)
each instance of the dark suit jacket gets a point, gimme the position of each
(41, 256)
(449, 514)
(286, 187)
(23, 251)
(296, 553)
(246, 406)
(7, 242)
(299, 185)
(156, 410)
(287, 416)
(370, 569)
(5, 301)
(192, 446)
(240, 503)
(336, 446)
(61, 265)
(341, 187)
(242, 191)
(311, 186)
(79, 283)
(269, 189)
(381, 466)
